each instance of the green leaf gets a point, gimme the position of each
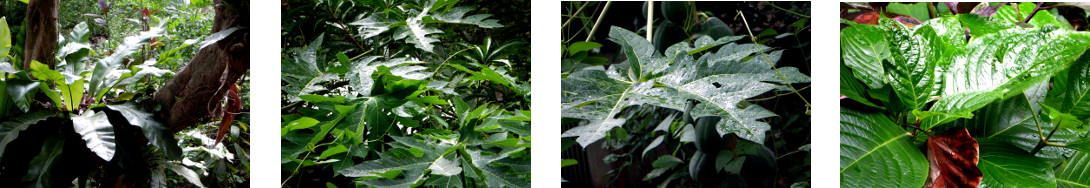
(1077, 101)
(40, 172)
(5, 39)
(301, 123)
(864, 53)
(412, 168)
(72, 94)
(999, 163)
(1014, 122)
(22, 92)
(105, 67)
(582, 47)
(875, 151)
(720, 81)
(1008, 14)
(333, 151)
(97, 133)
(568, 162)
(1064, 120)
(457, 16)
(186, 173)
(915, 55)
(851, 88)
(1076, 172)
(302, 74)
(216, 37)
(10, 129)
(666, 161)
(361, 74)
(154, 130)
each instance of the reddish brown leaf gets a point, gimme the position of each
(234, 106)
(953, 156)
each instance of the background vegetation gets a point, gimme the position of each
(142, 43)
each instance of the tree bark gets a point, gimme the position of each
(41, 32)
(196, 90)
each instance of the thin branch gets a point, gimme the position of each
(572, 17)
(769, 61)
(597, 23)
(1035, 9)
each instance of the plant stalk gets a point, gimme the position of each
(599, 21)
(650, 18)
(565, 25)
(769, 61)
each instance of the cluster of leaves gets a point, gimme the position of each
(407, 111)
(709, 80)
(1015, 78)
(94, 92)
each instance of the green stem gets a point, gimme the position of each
(785, 10)
(598, 22)
(565, 25)
(769, 61)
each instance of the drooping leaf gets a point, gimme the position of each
(852, 88)
(362, 71)
(953, 157)
(183, 171)
(9, 130)
(875, 151)
(1078, 88)
(216, 37)
(106, 66)
(155, 131)
(43, 166)
(22, 92)
(97, 133)
(457, 15)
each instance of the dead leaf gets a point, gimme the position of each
(953, 155)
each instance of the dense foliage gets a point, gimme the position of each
(683, 109)
(1015, 78)
(387, 94)
(106, 72)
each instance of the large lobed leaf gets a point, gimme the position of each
(302, 74)
(875, 151)
(719, 80)
(419, 22)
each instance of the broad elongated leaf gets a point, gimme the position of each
(156, 132)
(9, 130)
(720, 81)
(1002, 65)
(862, 48)
(915, 56)
(183, 171)
(106, 66)
(1076, 173)
(216, 37)
(97, 133)
(875, 151)
(22, 92)
(1078, 89)
(953, 157)
(851, 88)
(1014, 122)
(5, 39)
(41, 169)
(1000, 164)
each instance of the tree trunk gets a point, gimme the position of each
(41, 32)
(196, 90)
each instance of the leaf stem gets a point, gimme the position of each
(598, 22)
(785, 10)
(754, 38)
(1044, 141)
(572, 17)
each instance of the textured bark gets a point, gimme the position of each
(41, 32)
(196, 90)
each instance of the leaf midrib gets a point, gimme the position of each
(887, 142)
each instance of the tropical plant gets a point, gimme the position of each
(689, 113)
(408, 108)
(967, 99)
(90, 118)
